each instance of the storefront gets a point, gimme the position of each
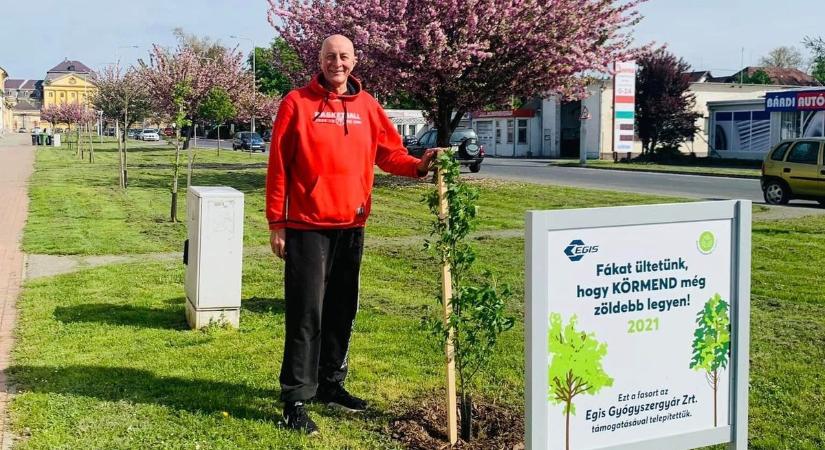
(507, 133)
(747, 129)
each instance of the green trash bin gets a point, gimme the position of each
(41, 139)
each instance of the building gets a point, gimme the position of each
(747, 129)
(408, 122)
(3, 120)
(68, 82)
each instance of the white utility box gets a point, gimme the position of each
(213, 255)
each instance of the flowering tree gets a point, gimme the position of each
(122, 97)
(259, 106)
(455, 56)
(49, 114)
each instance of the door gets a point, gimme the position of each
(802, 167)
(484, 130)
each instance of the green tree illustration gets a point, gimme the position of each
(576, 367)
(711, 343)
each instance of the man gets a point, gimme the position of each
(325, 141)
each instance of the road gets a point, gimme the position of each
(687, 186)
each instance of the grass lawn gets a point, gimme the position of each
(104, 358)
(741, 169)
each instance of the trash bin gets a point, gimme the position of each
(48, 139)
(56, 140)
(41, 139)
(34, 139)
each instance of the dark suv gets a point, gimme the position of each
(246, 140)
(470, 152)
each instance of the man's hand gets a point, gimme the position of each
(277, 240)
(426, 163)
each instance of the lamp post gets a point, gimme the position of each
(254, 81)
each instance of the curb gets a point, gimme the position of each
(699, 174)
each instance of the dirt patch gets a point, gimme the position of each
(494, 427)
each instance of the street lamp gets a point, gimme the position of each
(254, 82)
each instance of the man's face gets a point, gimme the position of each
(337, 60)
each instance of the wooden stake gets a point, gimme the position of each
(446, 299)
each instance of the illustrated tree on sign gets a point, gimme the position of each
(576, 367)
(711, 343)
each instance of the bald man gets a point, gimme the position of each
(326, 139)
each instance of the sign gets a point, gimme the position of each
(525, 113)
(807, 100)
(637, 326)
(624, 106)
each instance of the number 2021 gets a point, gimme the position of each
(642, 325)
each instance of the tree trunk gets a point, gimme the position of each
(91, 147)
(189, 167)
(173, 213)
(119, 155)
(125, 148)
(567, 425)
(466, 417)
(219, 140)
(715, 386)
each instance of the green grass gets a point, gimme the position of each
(104, 358)
(77, 209)
(685, 168)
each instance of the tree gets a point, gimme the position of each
(664, 103)
(180, 92)
(758, 77)
(478, 313)
(268, 73)
(576, 367)
(260, 106)
(816, 45)
(783, 58)
(711, 343)
(455, 56)
(204, 46)
(217, 107)
(124, 99)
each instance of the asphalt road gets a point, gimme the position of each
(676, 185)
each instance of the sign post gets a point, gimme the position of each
(624, 106)
(637, 326)
(446, 300)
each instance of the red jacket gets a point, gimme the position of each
(321, 159)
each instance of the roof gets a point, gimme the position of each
(26, 105)
(16, 83)
(699, 76)
(785, 76)
(70, 66)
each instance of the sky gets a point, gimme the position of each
(713, 35)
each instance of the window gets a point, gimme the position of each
(498, 132)
(509, 131)
(62, 94)
(400, 129)
(51, 94)
(522, 131)
(805, 152)
(779, 153)
(411, 129)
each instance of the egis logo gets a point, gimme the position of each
(577, 249)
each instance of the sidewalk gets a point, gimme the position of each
(16, 164)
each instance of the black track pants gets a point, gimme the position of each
(321, 289)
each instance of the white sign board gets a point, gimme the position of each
(624, 106)
(637, 326)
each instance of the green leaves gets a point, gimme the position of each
(576, 367)
(711, 340)
(478, 310)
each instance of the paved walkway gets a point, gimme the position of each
(16, 164)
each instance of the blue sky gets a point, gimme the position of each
(709, 34)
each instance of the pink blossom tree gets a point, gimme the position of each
(456, 56)
(258, 105)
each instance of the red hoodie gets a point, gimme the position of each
(323, 149)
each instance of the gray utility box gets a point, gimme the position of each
(213, 255)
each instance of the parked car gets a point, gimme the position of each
(794, 169)
(134, 133)
(169, 131)
(470, 152)
(149, 134)
(247, 140)
(22, 130)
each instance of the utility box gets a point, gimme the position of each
(213, 255)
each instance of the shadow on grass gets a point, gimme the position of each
(142, 386)
(171, 318)
(260, 305)
(245, 180)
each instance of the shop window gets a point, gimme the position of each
(509, 131)
(805, 152)
(522, 131)
(790, 125)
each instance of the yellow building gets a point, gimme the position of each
(3, 118)
(68, 82)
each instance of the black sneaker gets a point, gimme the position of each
(296, 418)
(336, 396)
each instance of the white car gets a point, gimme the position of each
(149, 135)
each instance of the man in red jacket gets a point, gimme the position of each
(325, 141)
